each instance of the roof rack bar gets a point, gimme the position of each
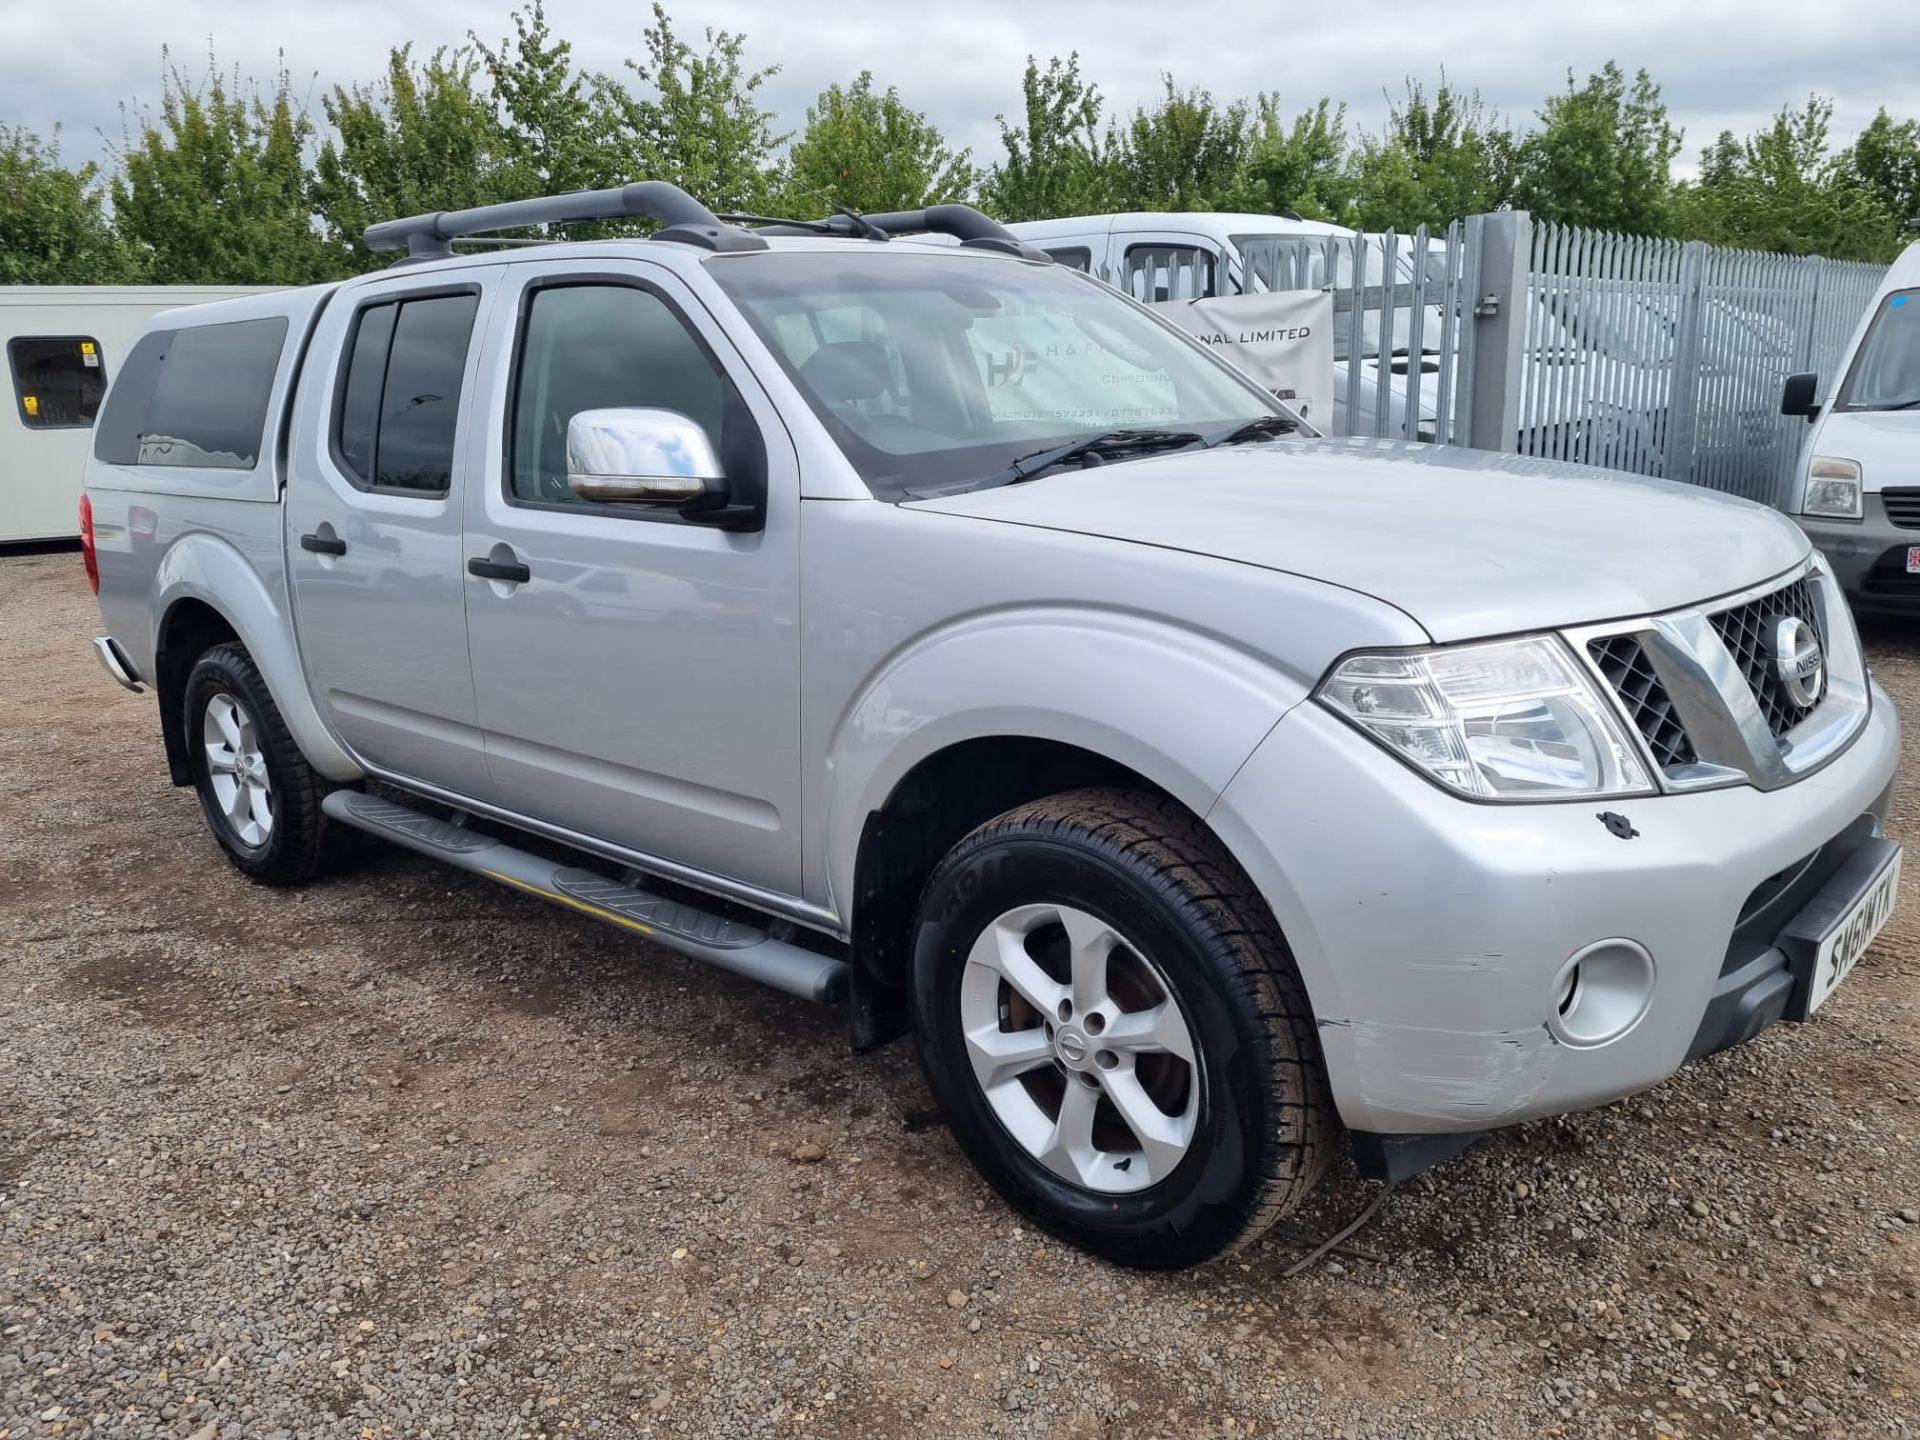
(683, 218)
(966, 224)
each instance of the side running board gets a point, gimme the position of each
(744, 948)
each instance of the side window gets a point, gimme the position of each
(195, 396)
(57, 380)
(400, 395)
(360, 391)
(1074, 257)
(1169, 272)
(116, 439)
(593, 347)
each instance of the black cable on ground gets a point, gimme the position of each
(1333, 1240)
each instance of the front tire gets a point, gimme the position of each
(260, 797)
(1110, 1019)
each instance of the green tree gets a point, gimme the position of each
(554, 117)
(216, 190)
(1439, 159)
(872, 152)
(1781, 189)
(1187, 152)
(53, 224)
(703, 127)
(1602, 157)
(1300, 167)
(424, 138)
(1056, 163)
(1885, 160)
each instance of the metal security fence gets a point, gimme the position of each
(1666, 359)
(1397, 303)
(1652, 356)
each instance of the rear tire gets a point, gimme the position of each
(1173, 1103)
(260, 797)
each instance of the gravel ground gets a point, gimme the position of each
(406, 1154)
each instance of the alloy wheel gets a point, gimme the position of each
(1080, 1047)
(237, 770)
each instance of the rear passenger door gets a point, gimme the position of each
(373, 519)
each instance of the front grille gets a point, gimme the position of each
(1903, 507)
(1746, 631)
(1623, 661)
(1889, 578)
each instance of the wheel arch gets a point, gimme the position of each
(206, 593)
(939, 800)
(1002, 707)
(189, 628)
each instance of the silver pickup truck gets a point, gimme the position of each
(932, 631)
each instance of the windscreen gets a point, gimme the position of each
(933, 369)
(1886, 373)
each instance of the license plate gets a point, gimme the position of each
(1843, 945)
(1913, 559)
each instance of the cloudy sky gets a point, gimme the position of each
(1722, 63)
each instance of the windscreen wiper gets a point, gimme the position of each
(1257, 428)
(1092, 449)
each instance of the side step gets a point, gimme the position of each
(743, 948)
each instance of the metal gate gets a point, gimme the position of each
(1652, 356)
(1396, 306)
(1666, 359)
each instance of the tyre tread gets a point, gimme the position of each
(1168, 845)
(299, 788)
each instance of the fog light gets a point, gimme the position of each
(1601, 993)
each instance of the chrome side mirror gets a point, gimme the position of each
(641, 456)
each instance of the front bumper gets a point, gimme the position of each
(1869, 556)
(1431, 931)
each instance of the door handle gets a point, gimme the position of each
(323, 544)
(511, 571)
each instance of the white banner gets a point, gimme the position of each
(1282, 338)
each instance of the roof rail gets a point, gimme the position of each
(966, 224)
(683, 218)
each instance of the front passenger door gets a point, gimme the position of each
(639, 683)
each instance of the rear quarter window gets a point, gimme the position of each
(194, 396)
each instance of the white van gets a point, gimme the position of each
(1857, 492)
(62, 343)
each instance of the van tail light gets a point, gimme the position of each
(87, 555)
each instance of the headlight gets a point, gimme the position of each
(1510, 720)
(1833, 488)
